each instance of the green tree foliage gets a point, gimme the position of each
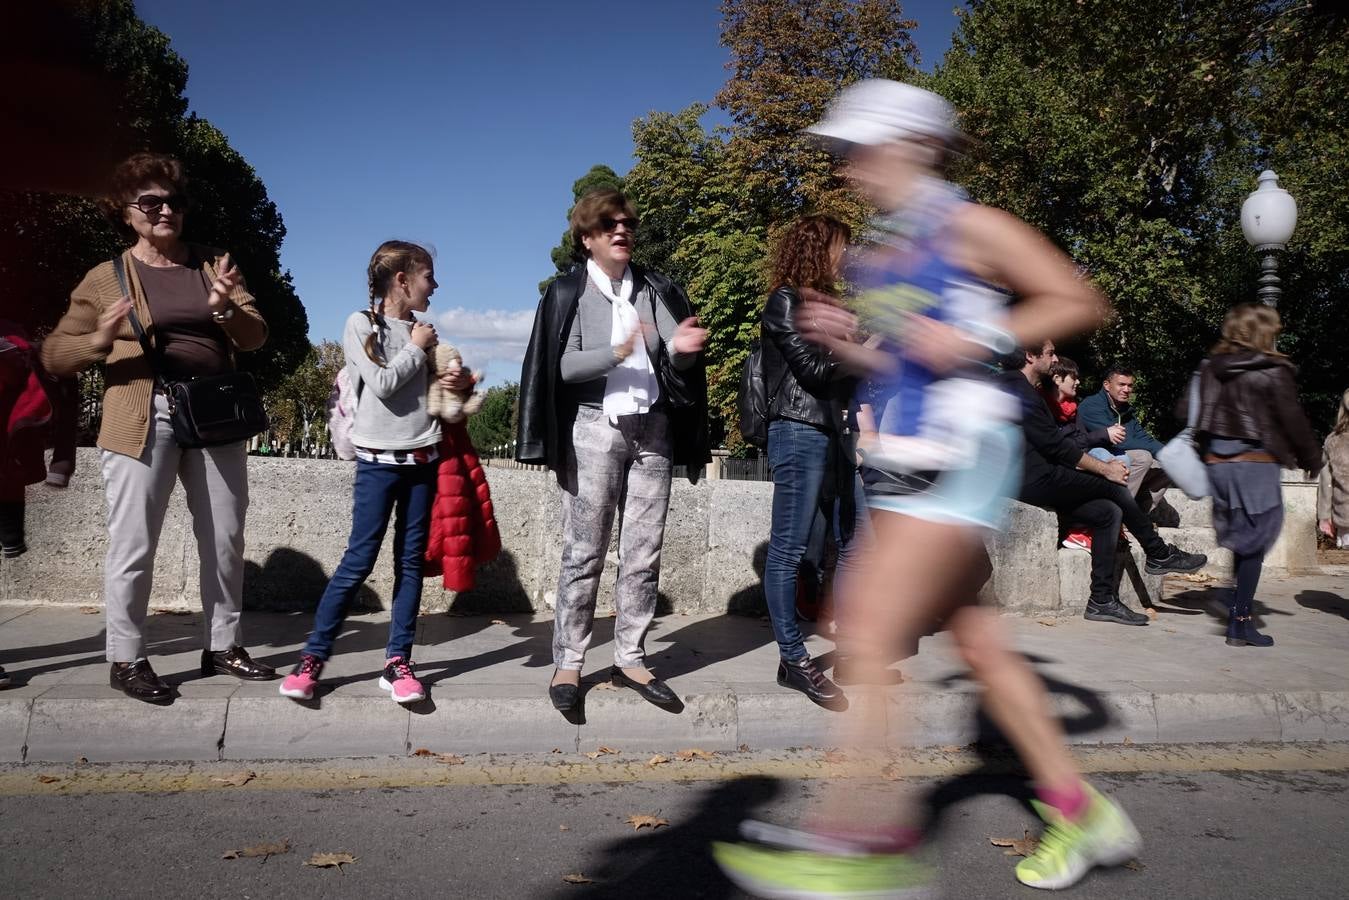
(49, 241)
(493, 427)
(1130, 133)
(298, 404)
(712, 202)
(564, 255)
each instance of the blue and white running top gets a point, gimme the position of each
(948, 448)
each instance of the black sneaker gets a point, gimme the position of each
(1113, 610)
(1175, 560)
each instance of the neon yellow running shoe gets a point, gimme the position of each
(1104, 836)
(781, 874)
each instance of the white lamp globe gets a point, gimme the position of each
(1269, 214)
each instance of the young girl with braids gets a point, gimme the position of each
(395, 438)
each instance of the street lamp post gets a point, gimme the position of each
(1268, 218)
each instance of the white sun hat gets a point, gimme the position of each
(877, 110)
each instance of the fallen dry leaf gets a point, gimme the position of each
(498, 622)
(1135, 865)
(263, 850)
(422, 751)
(743, 748)
(576, 878)
(449, 759)
(640, 822)
(835, 756)
(1128, 741)
(330, 860)
(1048, 622)
(694, 753)
(602, 751)
(79, 761)
(1150, 611)
(564, 828)
(47, 779)
(238, 779)
(1024, 846)
(657, 760)
(1197, 577)
(556, 750)
(91, 610)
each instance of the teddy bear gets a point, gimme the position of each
(451, 406)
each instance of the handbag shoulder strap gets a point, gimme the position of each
(1196, 380)
(151, 358)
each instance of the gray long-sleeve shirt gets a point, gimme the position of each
(391, 409)
(589, 354)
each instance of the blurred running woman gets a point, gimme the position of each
(933, 284)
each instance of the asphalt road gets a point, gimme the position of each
(1221, 835)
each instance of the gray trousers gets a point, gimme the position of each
(215, 480)
(1147, 481)
(623, 469)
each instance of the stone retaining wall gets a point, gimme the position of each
(716, 543)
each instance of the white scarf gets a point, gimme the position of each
(630, 387)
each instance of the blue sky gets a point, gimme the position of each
(460, 125)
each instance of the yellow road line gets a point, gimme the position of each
(38, 779)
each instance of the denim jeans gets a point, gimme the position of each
(407, 493)
(801, 457)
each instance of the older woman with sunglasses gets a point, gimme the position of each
(193, 305)
(613, 394)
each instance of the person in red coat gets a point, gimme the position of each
(25, 412)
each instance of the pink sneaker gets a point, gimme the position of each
(399, 681)
(300, 684)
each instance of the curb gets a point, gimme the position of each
(210, 722)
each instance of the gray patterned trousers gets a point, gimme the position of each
(623, 469)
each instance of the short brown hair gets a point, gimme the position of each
(598, 204)
(134, 173)
(801, 258)
(1064, 368)
(1250, 326)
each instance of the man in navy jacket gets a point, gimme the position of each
(1110, 406)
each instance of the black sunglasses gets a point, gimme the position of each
(153, 204)
(608, 224)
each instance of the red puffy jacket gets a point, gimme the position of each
(463, 527)
(25, 412)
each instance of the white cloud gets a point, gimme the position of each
(492, 341)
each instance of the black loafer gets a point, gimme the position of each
(804, 676)
(564, 696)
(234, 661)
(654, 691)
(139, 681)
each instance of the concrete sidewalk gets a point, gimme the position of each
(1172, 682)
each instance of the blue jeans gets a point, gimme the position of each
(1105, 455)
(801, 456)
(407, 492)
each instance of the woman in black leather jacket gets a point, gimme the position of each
(1250, 425)
(809, 445)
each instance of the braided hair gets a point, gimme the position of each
(390, 258)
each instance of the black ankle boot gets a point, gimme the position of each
(804, 676)
(1241, 630)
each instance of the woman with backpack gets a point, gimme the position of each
(809, 442)
(395, 442)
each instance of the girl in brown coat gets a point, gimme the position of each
(1250, 426)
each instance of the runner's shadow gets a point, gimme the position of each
(1324, 601)
(674, 862)
(1094, 715)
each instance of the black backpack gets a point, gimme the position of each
(754, 402)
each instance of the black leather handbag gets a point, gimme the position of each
(209, 411)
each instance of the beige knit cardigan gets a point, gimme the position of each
(128, 381)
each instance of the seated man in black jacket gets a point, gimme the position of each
(1061, 477)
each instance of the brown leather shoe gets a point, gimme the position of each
(138, 680)
(234, 661)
